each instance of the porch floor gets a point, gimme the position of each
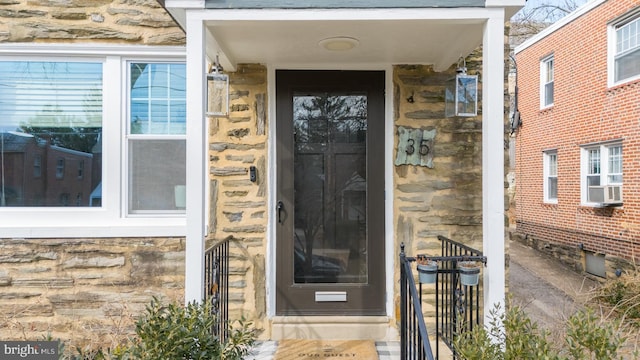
(265, 350)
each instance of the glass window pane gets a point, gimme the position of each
(594, 161)
(553, 164)
(330, 188)
(178, 81)
(553, 188)
(549, 71)
(159, 74)
(51, 119)
(157, 175)
(548, 93)
(155, 88)
(627, 61)
(627, 65)
(615, 165)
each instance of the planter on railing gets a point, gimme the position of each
(469, 272)
(427, 270)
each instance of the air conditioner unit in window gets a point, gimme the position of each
(606, 195)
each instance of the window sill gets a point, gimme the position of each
(59, 227)
(550, 205)
(600, 210)
(545, 110)
(631, 83)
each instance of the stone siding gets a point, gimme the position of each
(85, 291)
(239, 206)
(104, 21)
(443, 200)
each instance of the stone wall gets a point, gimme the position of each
(104, 21)
(86, 291)
(447, 198)
(239, 206)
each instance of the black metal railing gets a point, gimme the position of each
(458, 307)
(216, 286)
(414, 339)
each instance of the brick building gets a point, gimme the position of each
(577, 151)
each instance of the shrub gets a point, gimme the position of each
(174, 331)
(511, 335)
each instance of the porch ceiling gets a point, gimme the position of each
(295, 43)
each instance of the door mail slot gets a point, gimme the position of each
(331, 296)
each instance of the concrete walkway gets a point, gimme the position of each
(546, 289)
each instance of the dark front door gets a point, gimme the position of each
(330, 196)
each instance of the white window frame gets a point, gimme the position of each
(109, 220)
(140, 137)
(544, 80)
(550, 170)
(605, 170)
(612, 38)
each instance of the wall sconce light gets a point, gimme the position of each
(217, 91)
(461, 93)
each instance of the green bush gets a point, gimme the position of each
(511, 335)
(174, 331)
(587, 338)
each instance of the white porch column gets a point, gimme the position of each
(493, 160)
(196, 159)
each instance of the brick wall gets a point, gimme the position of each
(585, 111)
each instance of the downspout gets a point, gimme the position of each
(515, 117)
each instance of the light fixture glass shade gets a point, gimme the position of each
(461, 95)
(217, 94)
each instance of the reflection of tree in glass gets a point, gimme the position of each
(323, 118)
(66, 130)
(324, 125)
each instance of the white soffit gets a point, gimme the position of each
(438, 42)
(438, 36)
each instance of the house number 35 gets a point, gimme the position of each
(424, 147)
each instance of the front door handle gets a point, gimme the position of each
(279, 208)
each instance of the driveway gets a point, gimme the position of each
(546, 289)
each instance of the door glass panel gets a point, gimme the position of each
(330, 188)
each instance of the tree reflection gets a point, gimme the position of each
(330, 173)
